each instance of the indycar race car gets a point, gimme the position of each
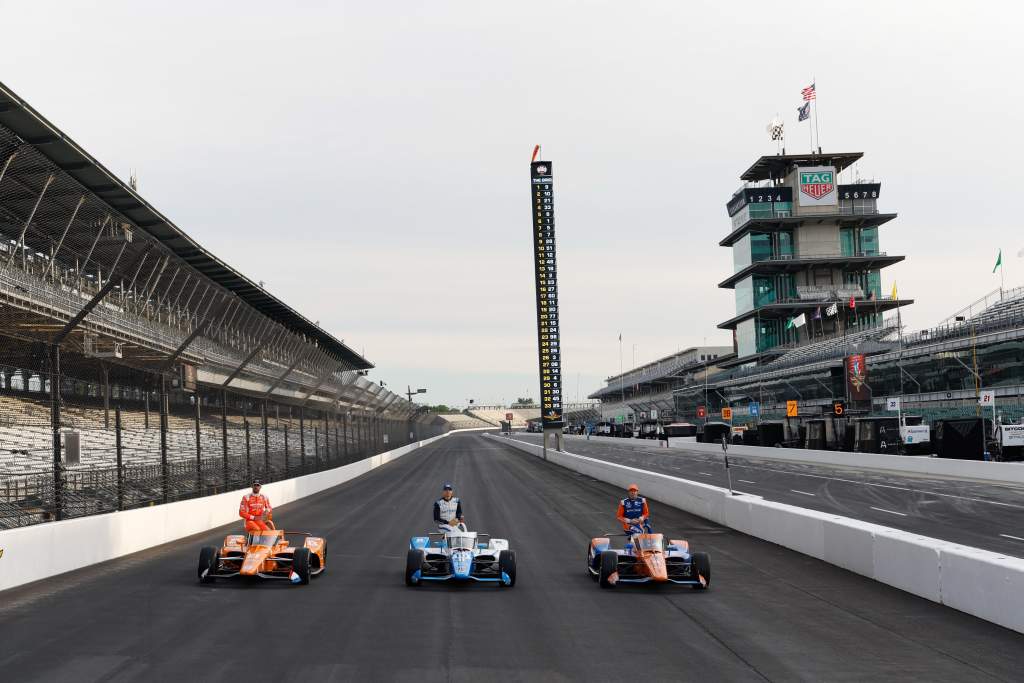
(460, 555)
(266, 554)
(647, 558)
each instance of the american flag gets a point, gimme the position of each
(809, 93)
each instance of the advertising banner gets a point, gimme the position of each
(816, 186)
(1012, 435)
(546, 281)
(915, 434)
(857, 378)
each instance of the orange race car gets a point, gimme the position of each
(266, 554)
(646, 558)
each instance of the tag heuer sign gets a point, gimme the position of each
(817, 186)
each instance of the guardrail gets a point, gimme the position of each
(45, 550)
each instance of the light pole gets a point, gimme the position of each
(410, 393)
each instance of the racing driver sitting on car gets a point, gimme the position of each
(633, 512)
(253, 508)
(448, 510)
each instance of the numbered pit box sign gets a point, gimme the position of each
(755, 409)
(726, 413)
(702, 412)
(987, 398)
(792, 409)
(839, 408)
(892, 403)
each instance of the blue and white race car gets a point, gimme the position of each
(460, 555)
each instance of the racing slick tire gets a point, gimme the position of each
(507, 565)
(413, 564)
(702, 566)
(300, 564)
(609, 564)
(591, 561)
(208, 563)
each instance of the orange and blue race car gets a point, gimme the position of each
(264, 554)
(647, 558)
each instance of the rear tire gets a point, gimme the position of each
(507, 565)
(702, 567)
(300, 564)
(609, 564)
(413, 564)
(208, 559)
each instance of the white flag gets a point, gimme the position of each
(800, 320)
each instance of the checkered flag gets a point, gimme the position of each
(775, 130)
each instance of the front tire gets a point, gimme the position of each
(609, 565)
(413, 564)
(208, 560)
(702, 567)
(507, 565)
(300, 564)
(591, 561)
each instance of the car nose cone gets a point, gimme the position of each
(462, 561)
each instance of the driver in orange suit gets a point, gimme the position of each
(253, 508)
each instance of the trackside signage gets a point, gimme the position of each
(1012, 435)
(545, 278)
(816, 186)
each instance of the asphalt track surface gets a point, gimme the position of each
(770, 614)
(974, 513)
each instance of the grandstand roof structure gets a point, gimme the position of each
(33, 130)
(662, 371)
(775, 166)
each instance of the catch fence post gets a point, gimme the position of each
(302, 439)
(164, 474)
(120, 462)
(224, 434)
(266, 440)
(199, 447)
(286, 465)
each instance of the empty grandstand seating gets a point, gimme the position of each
(26, 444)
(463, 421)
(494, 415)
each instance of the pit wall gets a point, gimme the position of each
(999, 472)
(44, 550)
(981, 583)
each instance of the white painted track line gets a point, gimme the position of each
(891, 512)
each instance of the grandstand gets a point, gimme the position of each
(495, 415)
(137, 367)
(464, 421)
(932, 370)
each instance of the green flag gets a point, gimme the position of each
(999, 261)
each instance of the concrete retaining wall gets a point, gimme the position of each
(1001, 472)
(982, 583)
(44, 550)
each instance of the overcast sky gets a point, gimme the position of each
(369, 160)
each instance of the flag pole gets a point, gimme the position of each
(817, 133)
(622, 385)
(899, 328)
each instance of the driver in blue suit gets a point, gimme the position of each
(633, 512)
(448, 509)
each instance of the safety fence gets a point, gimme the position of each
(123, 438)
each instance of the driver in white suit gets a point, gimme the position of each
(448, 510)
